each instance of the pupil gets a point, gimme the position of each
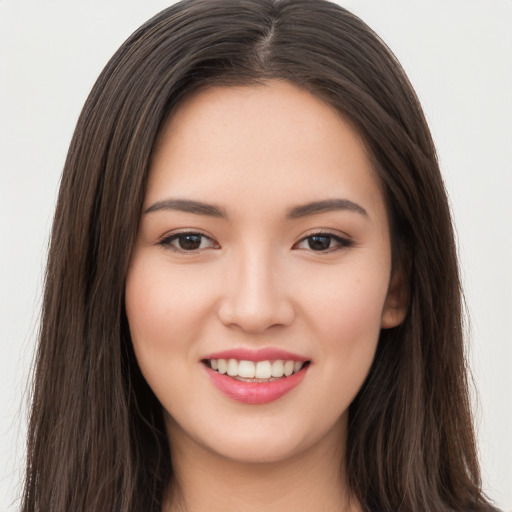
(190, 242)
(319, 243)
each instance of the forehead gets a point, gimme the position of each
(274, 141)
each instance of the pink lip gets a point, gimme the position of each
(254, 392)
(263, 354)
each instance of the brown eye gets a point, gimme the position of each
(323, 242)
(188, 242)
(319, 242)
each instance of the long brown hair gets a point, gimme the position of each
(96, 439)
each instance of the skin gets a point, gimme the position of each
(256, 152)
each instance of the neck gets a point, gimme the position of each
(314, 479)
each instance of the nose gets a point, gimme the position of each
(256, 296)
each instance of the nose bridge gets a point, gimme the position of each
(255, 296)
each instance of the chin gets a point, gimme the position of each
(268, 441)
(251, 451)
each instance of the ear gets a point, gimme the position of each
(397, 301)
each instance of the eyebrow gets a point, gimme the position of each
(188, 206)
(210, 210)
(327, 205)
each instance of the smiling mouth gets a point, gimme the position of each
(250, 371)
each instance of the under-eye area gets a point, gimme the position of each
(252, 371)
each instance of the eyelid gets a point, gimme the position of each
(344, 240)
(167, 239)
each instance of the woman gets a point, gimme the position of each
(252, 289)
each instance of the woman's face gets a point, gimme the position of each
(264, 239)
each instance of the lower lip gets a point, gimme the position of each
(255, 392)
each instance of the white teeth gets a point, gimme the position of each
(222, 366)
(263, 370)
(288, 368)
(232, 367)
(248, 370)
(277, 369)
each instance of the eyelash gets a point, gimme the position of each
(167, 241)
(341, 242)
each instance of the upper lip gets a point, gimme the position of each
(262, 354)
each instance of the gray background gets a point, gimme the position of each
(458, 55)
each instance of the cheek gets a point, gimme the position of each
(164, 311)
(345, 315)
(350, 301)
